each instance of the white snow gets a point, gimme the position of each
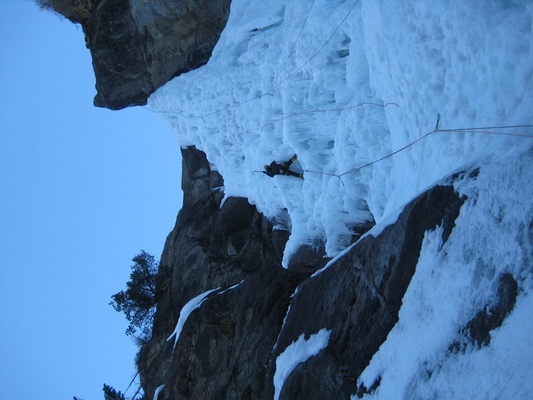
(283, 80)
(231, 288)
(187, 309)
(347, 83)
(157, 391)
(492, 236)
(297, 352)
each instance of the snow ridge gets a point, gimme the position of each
(187, 309)
(298, 352)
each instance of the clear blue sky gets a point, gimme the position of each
(82, 191)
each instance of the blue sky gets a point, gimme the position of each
(83, 190)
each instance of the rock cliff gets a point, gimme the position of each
(229, 344)
(250, 312)
(137, 46)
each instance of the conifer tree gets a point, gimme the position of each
(138, 301)
(45, 4)
(111, 394)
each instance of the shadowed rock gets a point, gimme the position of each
(229, 345)
(358, 299)
(137, 46)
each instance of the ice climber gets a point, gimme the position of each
(276, 168)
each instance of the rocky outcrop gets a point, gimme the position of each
(137, 46)
(229, 345)
(76, 11)
(358, 299)
(213, 246)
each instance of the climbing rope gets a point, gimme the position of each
(366, 103)
(274, 87)
(284, 63)
(483, 130)
(338, 109)
(319, 50)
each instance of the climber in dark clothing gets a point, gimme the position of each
(281, 168)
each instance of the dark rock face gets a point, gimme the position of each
(74, 10)
(214, 246)
(229, 344)
(358, 299)
(137, 46)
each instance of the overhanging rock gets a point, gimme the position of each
(137, 46)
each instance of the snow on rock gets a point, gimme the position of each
(492, 237)
(187, 309)
(157, 391)
(296, 353)
(283, 80)
(354, 87)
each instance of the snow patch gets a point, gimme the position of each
(298, 352)
(187, 309)
(452, 282)
(157, 391)
(231, 288)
